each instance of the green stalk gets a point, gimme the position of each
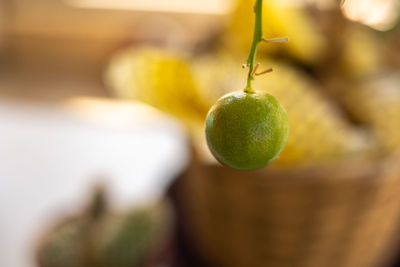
(257, 38)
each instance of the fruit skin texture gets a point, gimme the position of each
(247, 130)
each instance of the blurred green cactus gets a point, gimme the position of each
(100, 238)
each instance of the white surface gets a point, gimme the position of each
(50, 157)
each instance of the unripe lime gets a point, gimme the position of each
(247, 130)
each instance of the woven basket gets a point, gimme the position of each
(345, 214)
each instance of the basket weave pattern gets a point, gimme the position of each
(344, 215)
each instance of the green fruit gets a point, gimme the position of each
(247, 130)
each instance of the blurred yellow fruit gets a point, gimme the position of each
(376, 103)
(319, 131)
(361, 53)
(306, 43)
(160, 78)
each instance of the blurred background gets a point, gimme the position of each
(103, 155)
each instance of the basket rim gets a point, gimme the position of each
(339, 169)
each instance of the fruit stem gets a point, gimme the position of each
(257, 38)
